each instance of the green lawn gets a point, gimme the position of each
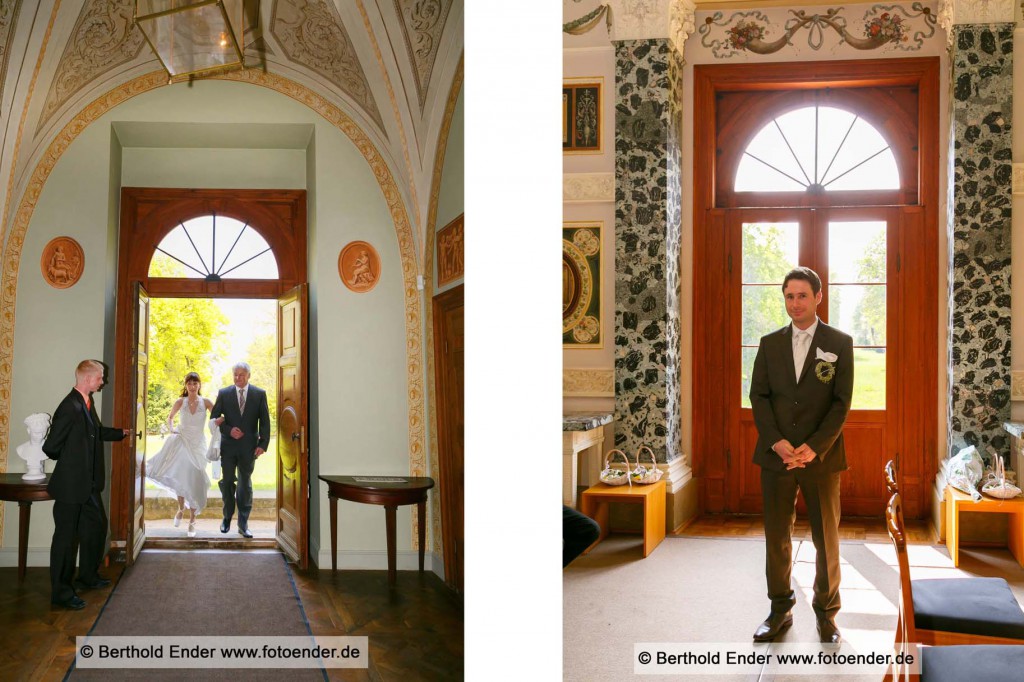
(263, 476)
(868, 378)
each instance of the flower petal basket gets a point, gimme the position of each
(610, 476)
(642, 474)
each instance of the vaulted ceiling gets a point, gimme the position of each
(388, 64)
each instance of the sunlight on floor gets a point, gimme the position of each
(712, 590)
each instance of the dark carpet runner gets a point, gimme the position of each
(215, 593)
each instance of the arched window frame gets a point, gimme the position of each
(825, 148)
(149, 214)
(218, 268)
(742, 115)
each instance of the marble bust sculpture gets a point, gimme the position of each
(32, 451)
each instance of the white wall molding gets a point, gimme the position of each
(679, 473)
(588, 187)
(644, 19)
(35, 556)
(955, 12)
(376, 560)
(588, 383)
(1017, 384)
(1018, 178)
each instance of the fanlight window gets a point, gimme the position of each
(814, 149)
(214, 248)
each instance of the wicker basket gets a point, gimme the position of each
(642, 474)
(610, 476)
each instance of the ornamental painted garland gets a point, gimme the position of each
(882, 26)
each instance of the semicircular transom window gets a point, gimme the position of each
(213, 248)
(817, 148)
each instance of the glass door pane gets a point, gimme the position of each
(857, 289)
(770, 250)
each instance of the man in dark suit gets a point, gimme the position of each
(245, 434)
(76, 440)
(800, 392)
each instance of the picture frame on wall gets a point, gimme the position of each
(582, 120)
(581, 285)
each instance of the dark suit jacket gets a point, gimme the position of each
(808, 411)
(76, 440)
(255, 423)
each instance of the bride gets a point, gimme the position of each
(180, 466)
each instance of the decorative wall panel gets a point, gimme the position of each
(582, 127)
(423, 23)
(450, 250)
(104, 38)
(8, 19)
(581, 285)
(311, 33)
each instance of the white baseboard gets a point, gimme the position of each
(377, 560)
(371, 560)
(436, 564)
(37, 556)
(314, 552)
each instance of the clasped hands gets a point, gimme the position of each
(794, 458)
(237, 433)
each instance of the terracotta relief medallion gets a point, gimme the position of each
(450, 243)
(62, 262)
(359, 267)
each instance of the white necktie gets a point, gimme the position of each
(241, 400)
(801, 343)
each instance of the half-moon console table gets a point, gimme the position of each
(388, 491)
(13, 488)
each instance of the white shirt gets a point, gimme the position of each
(800, 351)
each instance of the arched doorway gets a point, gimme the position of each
(148, 215)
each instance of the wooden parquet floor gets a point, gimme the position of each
(415, 630)
(853, 528)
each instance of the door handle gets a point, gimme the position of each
(138, 435)
(296, 436)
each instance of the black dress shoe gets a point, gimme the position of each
(75, 603)
(828, 633)
(94, 585)
(773, 625)
(225, 525)
(244, 532)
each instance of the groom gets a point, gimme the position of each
(245, 434)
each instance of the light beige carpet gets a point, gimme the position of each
(713, 590)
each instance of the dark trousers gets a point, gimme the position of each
(85, 524)
(821, 493)
(578, 532)
(240, 494)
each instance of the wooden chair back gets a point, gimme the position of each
(891, 470)
(905, 629)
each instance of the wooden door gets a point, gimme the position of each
(137, 445)
(449, 351)
(292, 411)
(856, 254)
(787, 121)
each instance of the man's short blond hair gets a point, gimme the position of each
(86, 367)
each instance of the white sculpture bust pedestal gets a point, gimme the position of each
(32, 451)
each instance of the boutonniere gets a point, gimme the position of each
(825, 370)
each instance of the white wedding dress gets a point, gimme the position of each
(180, 466)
